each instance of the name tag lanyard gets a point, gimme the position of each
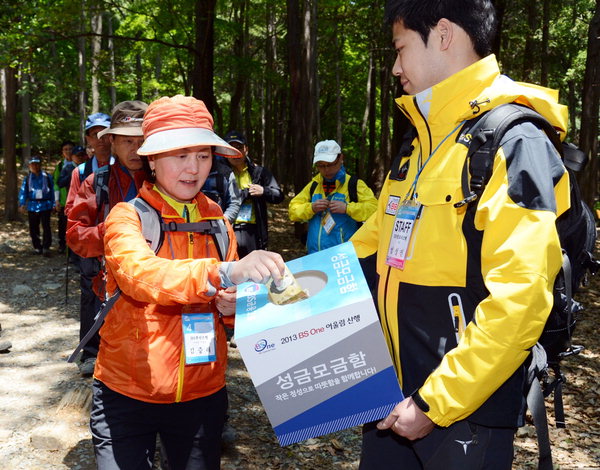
(407, 214)
(198, 328)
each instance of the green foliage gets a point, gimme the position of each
(154, 50)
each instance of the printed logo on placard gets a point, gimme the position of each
(263, 345)
(251, 288)
(392, 205)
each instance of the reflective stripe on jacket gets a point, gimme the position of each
(300, 210)
(141, 350)
(493, 267)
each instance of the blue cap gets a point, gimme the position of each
(97, 119)
(78, 149)
(35, 160)
(235, 136)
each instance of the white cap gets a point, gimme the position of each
(326, 151)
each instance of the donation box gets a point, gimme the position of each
(319, 364)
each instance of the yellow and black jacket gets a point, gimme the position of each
(489, 267)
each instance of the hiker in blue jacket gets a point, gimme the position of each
(37, 197)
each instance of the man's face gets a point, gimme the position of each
(100, 145)
(79, 158)
(125, 148)
(35, 168)
(417, 65)
(329, 170)
(67, 151)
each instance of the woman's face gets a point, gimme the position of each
(181, 174)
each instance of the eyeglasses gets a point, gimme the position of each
(325, 166)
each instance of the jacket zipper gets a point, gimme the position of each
(181, 374)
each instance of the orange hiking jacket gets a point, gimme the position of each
(141, 350)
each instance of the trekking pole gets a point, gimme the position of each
(67, 278)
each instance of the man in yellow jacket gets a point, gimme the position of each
(464, 291)
(333, 202)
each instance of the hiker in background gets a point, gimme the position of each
(78, 156)
(257, 188)
(36, 196)
(89, 303)
(333, 203)
(98, 193)
(165, 380)
(464, 288)
(60, 193)
(222, 188)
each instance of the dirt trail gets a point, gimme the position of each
(44, 402)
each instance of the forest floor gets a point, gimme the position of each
(44, 403)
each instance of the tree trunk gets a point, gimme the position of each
(497, 44)
(112, 90)
(545, 43)
(301, 83)
(10, 145)
(269, 155)
(368, 108)
(529, 52)
(311, 91)
(26, 117)
(81, 58)
(203, 68)
(339, 49)
(96, 46)
(589, 116)
(139, 92)
(239, 77)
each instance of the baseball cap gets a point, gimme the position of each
(126, 119)
(35, 160)
(326, 151)
(97, 119)
(78, 149)
(178, 122)
(235, 136)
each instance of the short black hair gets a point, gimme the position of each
(67, 142)
(476, 17)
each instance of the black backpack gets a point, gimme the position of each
(577, 232)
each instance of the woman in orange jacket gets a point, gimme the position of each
(163, 352)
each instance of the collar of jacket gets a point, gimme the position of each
(206, 207)
(472, 91)
(339, 176)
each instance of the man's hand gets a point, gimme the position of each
(407, 420)
(57, 206)
(337, 207)
(22, 210)
(258, 266)
(256, 190)
(320, 205)
(225, 301)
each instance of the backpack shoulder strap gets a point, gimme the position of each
(154, 228)
(151, 223)
(352, 188)
(313, 186)
(405, 150)
(487, 132)
(85, 169)
(101, 177)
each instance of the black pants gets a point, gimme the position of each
(88, 306)
(35, 218)
(124, 431)
(462, 446)
(62, 229)
(246, 237)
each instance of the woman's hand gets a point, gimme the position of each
(258, 266)
(225, 301)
